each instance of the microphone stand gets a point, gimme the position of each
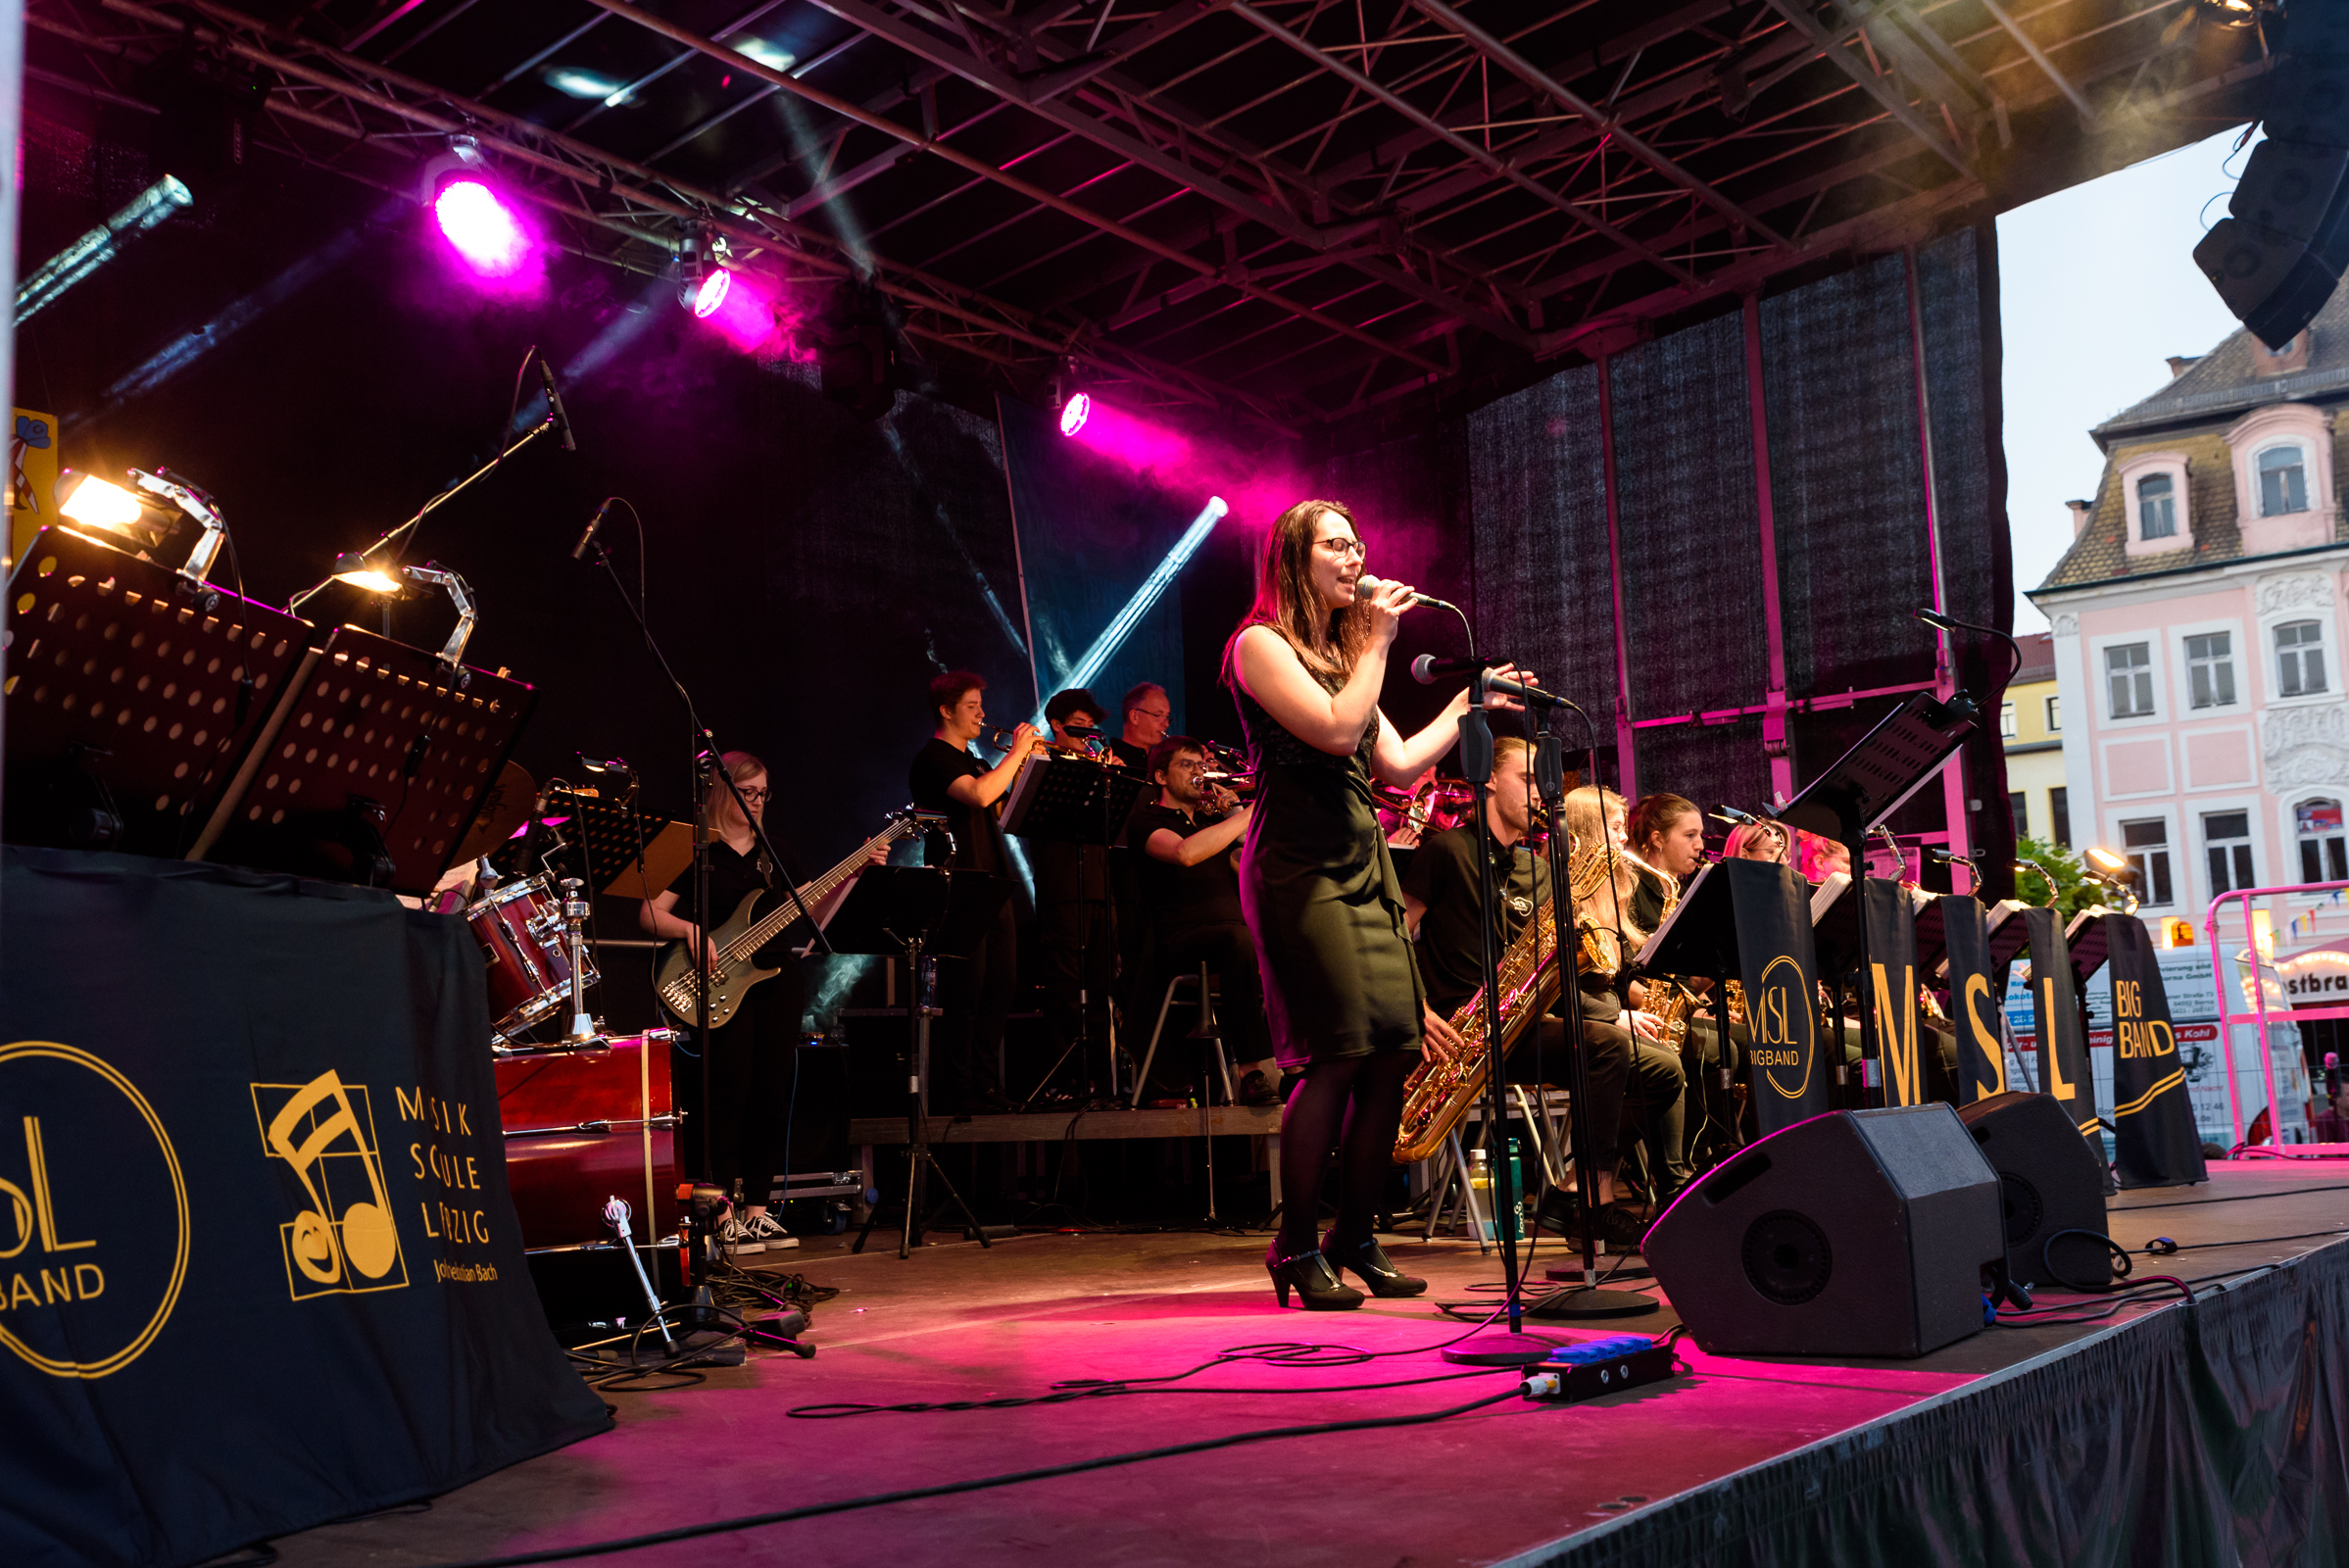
(1587, 1300)
(706, 755)
(1514, 1348)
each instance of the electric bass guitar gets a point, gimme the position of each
(678, 981)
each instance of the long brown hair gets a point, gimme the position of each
(1326, 642)
(1654, 816)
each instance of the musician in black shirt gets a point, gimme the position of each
(750, 1059)
(975, 992)
(1189, 872)
(1441, 897)
(1075, 939)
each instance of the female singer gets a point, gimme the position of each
(1319, 889)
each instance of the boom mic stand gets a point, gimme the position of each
(1587, 1300)
(704, 752)
(1514, 1348)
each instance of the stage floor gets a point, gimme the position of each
(955, 1323)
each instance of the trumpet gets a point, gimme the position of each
(996, 736)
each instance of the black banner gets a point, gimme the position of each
(1893, 988)
(260, 1265)
(1976, 998)
(2154, 1141)
(1789, 1073)
(2055, 1010)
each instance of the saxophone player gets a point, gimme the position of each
(1627, 1078)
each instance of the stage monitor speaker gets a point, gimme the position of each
(1854, 1234)
(2049, 1181)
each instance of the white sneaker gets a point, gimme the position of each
(739, 1237)
(764, 1230)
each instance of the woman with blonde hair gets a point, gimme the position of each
(1756, 841)
(1319, 889)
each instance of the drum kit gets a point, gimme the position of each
(587, 1116)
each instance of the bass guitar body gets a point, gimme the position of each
(678, 987)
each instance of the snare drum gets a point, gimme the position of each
(520, 927)
(585, 1125)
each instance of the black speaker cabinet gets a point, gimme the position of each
(2049, 1181)
(1857, 1233)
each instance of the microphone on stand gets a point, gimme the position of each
(1366, 585)
(580, 550)
(1427, 669)
(1730, 813)
(562, 421)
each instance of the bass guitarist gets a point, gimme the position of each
(750, 1057)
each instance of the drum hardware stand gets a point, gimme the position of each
(615, 1215)
(585, 1029)
(918, 1159)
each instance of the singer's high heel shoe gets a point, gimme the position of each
(1312, 1278)
(1369, 1260)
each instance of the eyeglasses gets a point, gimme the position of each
(1160, 714)
(1343, 548)
(756, 795)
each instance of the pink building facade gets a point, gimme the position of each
(2198, 621)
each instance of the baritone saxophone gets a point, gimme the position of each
(1440, 1092)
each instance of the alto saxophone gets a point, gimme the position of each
(1440, 1092)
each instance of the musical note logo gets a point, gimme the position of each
(341, 1238)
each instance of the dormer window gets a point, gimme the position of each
(2157, 507)
(2282, 482)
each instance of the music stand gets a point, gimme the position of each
(1064, 799)
(629, 854)
(1700, 938)
(374, 767)
(2090, 941)
(921, 911)
(1933, 936)
(132, 695)
(1869, 783)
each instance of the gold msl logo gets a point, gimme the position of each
(341, 1240)
(1780, 1002)
(92, 1147)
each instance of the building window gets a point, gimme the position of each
(2006, 719)
(2147, 846)
(2157, 507)
(2055, 715)
(2323, 851)
(2129, 674)
(2226, 843)
(2059, 814)
(2019, 803)
(2300, 658)
(2210, 668)
(2282, 482)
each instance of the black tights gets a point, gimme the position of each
(1353, 1105)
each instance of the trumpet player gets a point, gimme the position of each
(1190, 877)
(1075, 937)
(1626, 1078)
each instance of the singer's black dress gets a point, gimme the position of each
(1322, 900)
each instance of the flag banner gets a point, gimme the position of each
(1976, 990)
(261, 1270)
(1893, 988)
(2154, 1141)
(1791, 1071)
(2055, 1009)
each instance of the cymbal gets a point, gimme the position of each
(504, 807)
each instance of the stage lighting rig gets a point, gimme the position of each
(408, 582)
(474, 213)
(146, 513)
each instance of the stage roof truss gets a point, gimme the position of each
(1283, 211)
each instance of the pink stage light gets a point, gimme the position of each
(482, 229)
(1134, 442)
(737, 308)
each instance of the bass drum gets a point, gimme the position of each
(584, 1125)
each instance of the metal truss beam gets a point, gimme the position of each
(987, 170)
(1797, 14)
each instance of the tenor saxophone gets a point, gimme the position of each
(1440, 1092)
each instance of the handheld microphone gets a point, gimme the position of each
(1427, 669)
(562, 421)
(580, 550)
(1366, 585)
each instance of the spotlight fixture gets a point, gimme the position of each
(711, 295)
(475, 216)
(398, 581)
(2048, 876)
(1074, 413)
(2104, 862)
(144, 511)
